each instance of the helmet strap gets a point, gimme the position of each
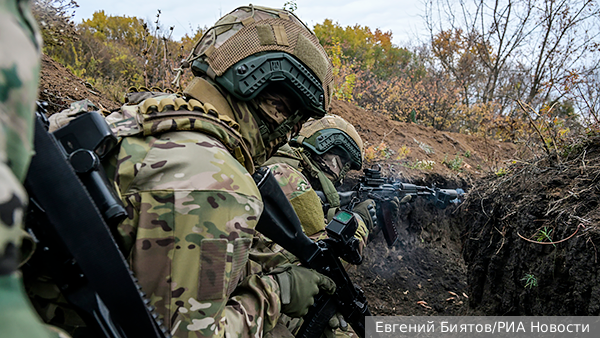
(342, 175)
(267, 134)
(286, 126)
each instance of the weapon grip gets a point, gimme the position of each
(317, 318)
(389, 228)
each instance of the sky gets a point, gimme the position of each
(403, 17)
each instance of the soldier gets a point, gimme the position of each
(183, 171)
(20, 47)
(324, 152)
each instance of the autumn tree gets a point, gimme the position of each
(115, 52)
(507, 51)
(55, 20)
(370, 50)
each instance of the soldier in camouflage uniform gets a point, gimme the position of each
(324, 152)
(183, 171)
(299, 175)
(20, 46)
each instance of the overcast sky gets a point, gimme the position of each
(403, 17)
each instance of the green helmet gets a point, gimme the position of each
(332, 134)
(254, 47)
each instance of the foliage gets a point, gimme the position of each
(544, 234)
(379, 152)
(372, 50)
(344, 76)
(530, 281)
(403, 152)
(539, 52)
(425, 147)
(455, 164)
(116, 52)
(501, 172)
(290, 6)
(467, 78)
(422, 165)
(54, 18)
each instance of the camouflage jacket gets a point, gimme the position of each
(307, 205)
(183, 173)
(19, 78)
(20, 47)
(297, 178)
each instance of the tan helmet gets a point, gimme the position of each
(332, 134)
(254, 47)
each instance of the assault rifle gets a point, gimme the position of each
(280, 223)
(382, 190)
(71, 203)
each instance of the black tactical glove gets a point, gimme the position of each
(366, 210)
(298, 286)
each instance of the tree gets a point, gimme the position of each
(54, 18)
(529, 46)
(507, 51)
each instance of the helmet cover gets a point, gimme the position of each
(253, 47)
(332, 134)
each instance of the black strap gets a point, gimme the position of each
(53, 184)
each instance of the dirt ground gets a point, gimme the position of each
(530, 236)
(424, 273)
(470, 258)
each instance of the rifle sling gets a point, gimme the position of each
(52, 182)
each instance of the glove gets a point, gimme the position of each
(366, 210)
(395, 204)
(336, 322)
(298, 287)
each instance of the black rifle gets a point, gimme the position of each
(68, 219)
(280, 223)
(382, 190)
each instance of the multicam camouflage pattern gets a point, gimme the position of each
(19, 78)
(268, 255)
(193, 207)
(249, 30)
(20, 46)
(302, 196)
(299, 190)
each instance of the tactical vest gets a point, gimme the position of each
(297, 158)
(153, 113)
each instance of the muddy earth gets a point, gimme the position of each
(481, 256)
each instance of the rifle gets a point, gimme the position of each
(71, 203)
(280, 223)
(382, 190)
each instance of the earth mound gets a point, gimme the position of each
(529, 242)
(60, 87)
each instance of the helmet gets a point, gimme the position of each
(254, 47)
(332, 134)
